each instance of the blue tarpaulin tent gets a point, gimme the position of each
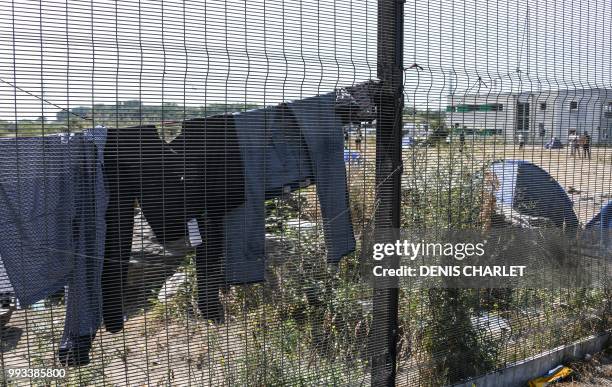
(601, 225)
(530, 190)
(407, 142)
(603, 219)
(554, 143)
(352, 156)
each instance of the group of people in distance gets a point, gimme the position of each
(580, 144)
(577, 142)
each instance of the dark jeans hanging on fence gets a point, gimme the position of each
(214, 178)
(131, 156)
(199, 175)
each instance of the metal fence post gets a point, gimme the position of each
(383, 339)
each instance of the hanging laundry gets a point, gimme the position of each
(285, 148)
(214, 180)
(215, 177)
(136, 161)
(194, 180)
(52, 224)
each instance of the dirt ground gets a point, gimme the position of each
(596, 371)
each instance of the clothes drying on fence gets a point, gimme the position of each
(6, 289)
(198, 177)
(215, 181)
(135, 160)
(530, 190)
(285, 148)
(322, 130)
(52, 227)
(219, 171)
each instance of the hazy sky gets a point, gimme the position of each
(81, 52)
(554, 44)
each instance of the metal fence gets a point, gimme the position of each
(187, 187)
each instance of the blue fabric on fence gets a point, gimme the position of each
(280, 154)
(52, 225)
(530, 190)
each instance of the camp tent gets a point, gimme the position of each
(601, 225)
(603, 219)
(530, 190)
(554, 143)
(351, 156)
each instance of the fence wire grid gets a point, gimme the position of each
(186, 186)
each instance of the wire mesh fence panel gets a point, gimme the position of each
(506, 127)
(183, 184)
(188, 189)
